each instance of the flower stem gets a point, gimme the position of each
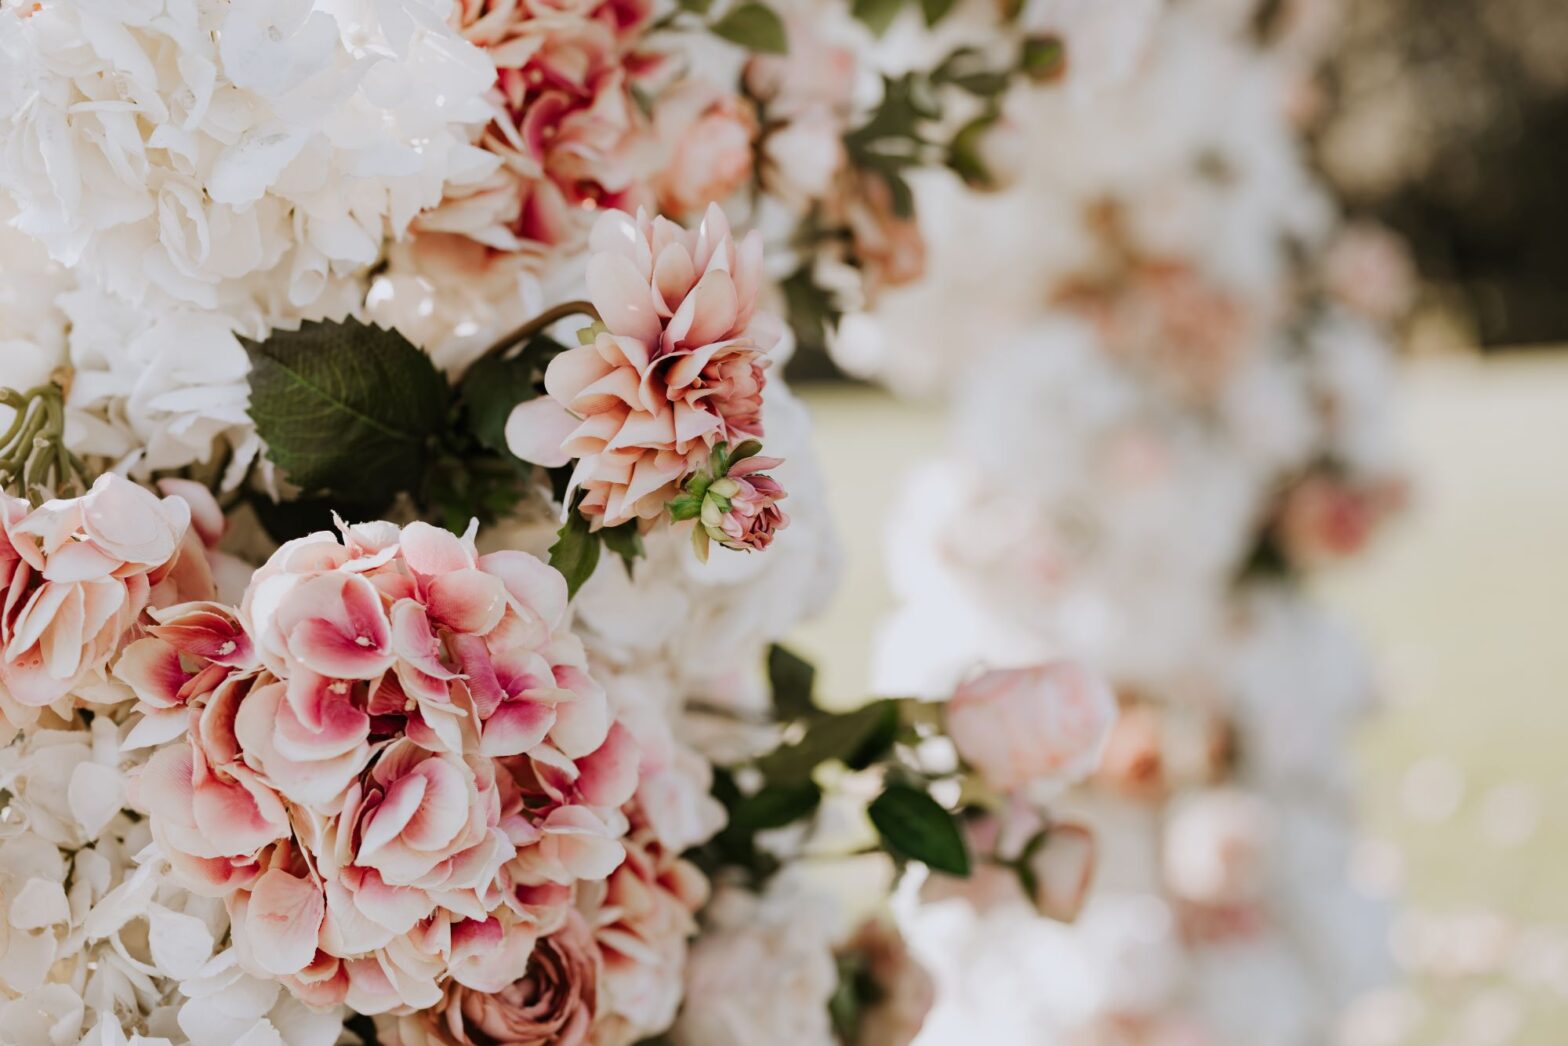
(539, 323)
(34, 460)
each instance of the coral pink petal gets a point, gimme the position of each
(340, 730)
(536, 430)
(282, 922)
(623, 297)
(152, 669)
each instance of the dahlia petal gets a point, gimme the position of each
(622, 296)
(536, 430)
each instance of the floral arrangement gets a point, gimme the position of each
(341, 340)
(1182, 414)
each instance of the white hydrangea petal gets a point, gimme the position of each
(95, 795)
(181, 944)
(38, 904)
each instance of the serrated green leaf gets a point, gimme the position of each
(914, 825)
(855, 738)
(346, 408)
(935, 10)
(575, 552)
(876, 15)
(755, 27)
(794, 681)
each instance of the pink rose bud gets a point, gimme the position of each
(1059, 870)
(1040, 728)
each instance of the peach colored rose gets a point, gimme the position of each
(679, 367)
(887, 245)
(1039, 728)
(708, 135)
(553, 1003)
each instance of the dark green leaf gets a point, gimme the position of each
(493, 386)
(935, 10)
(755, 27)
(575, 552)
(287, 520)
(914, 825)
(624, 541)
(775, 806)
(876, 14)
(813, 312)
(856, 738)
(793, 679)
(747, 449)
(346, 408)
(698, 6)
(963, 152)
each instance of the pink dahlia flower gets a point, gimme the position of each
(77, 574)
(679, 366)
(396, 767)
(741, 511)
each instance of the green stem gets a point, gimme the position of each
(539, 323)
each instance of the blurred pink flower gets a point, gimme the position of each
(708, 136)
(1034, 729)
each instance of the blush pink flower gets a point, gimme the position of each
(567, 130)
(553, 1003)
(77, 574)
(709, 135)
(1326, 518)
(396, 768)
(678, 368)
(1032, 729)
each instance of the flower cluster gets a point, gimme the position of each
(193, 153)
(395, 768)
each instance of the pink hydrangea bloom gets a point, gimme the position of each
(679, 366)
(77, 574)
(396, 768)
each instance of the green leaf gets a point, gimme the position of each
(793, 680)
(935, 10)
(775, 806)
(755, 27)
(1043, 58)
(877, 15)
(813, 311)
(914, 825)
(493, 386)
(855, 738)
(624, 541)
(346, 408)
(685, 506)
(575, 552)
(963, 152)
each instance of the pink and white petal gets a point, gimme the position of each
(283, 922)
(622, 296)
(608, 775)
(467, 600)
(518, 726)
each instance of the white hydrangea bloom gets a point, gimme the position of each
(98, 945)
(231, 157)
